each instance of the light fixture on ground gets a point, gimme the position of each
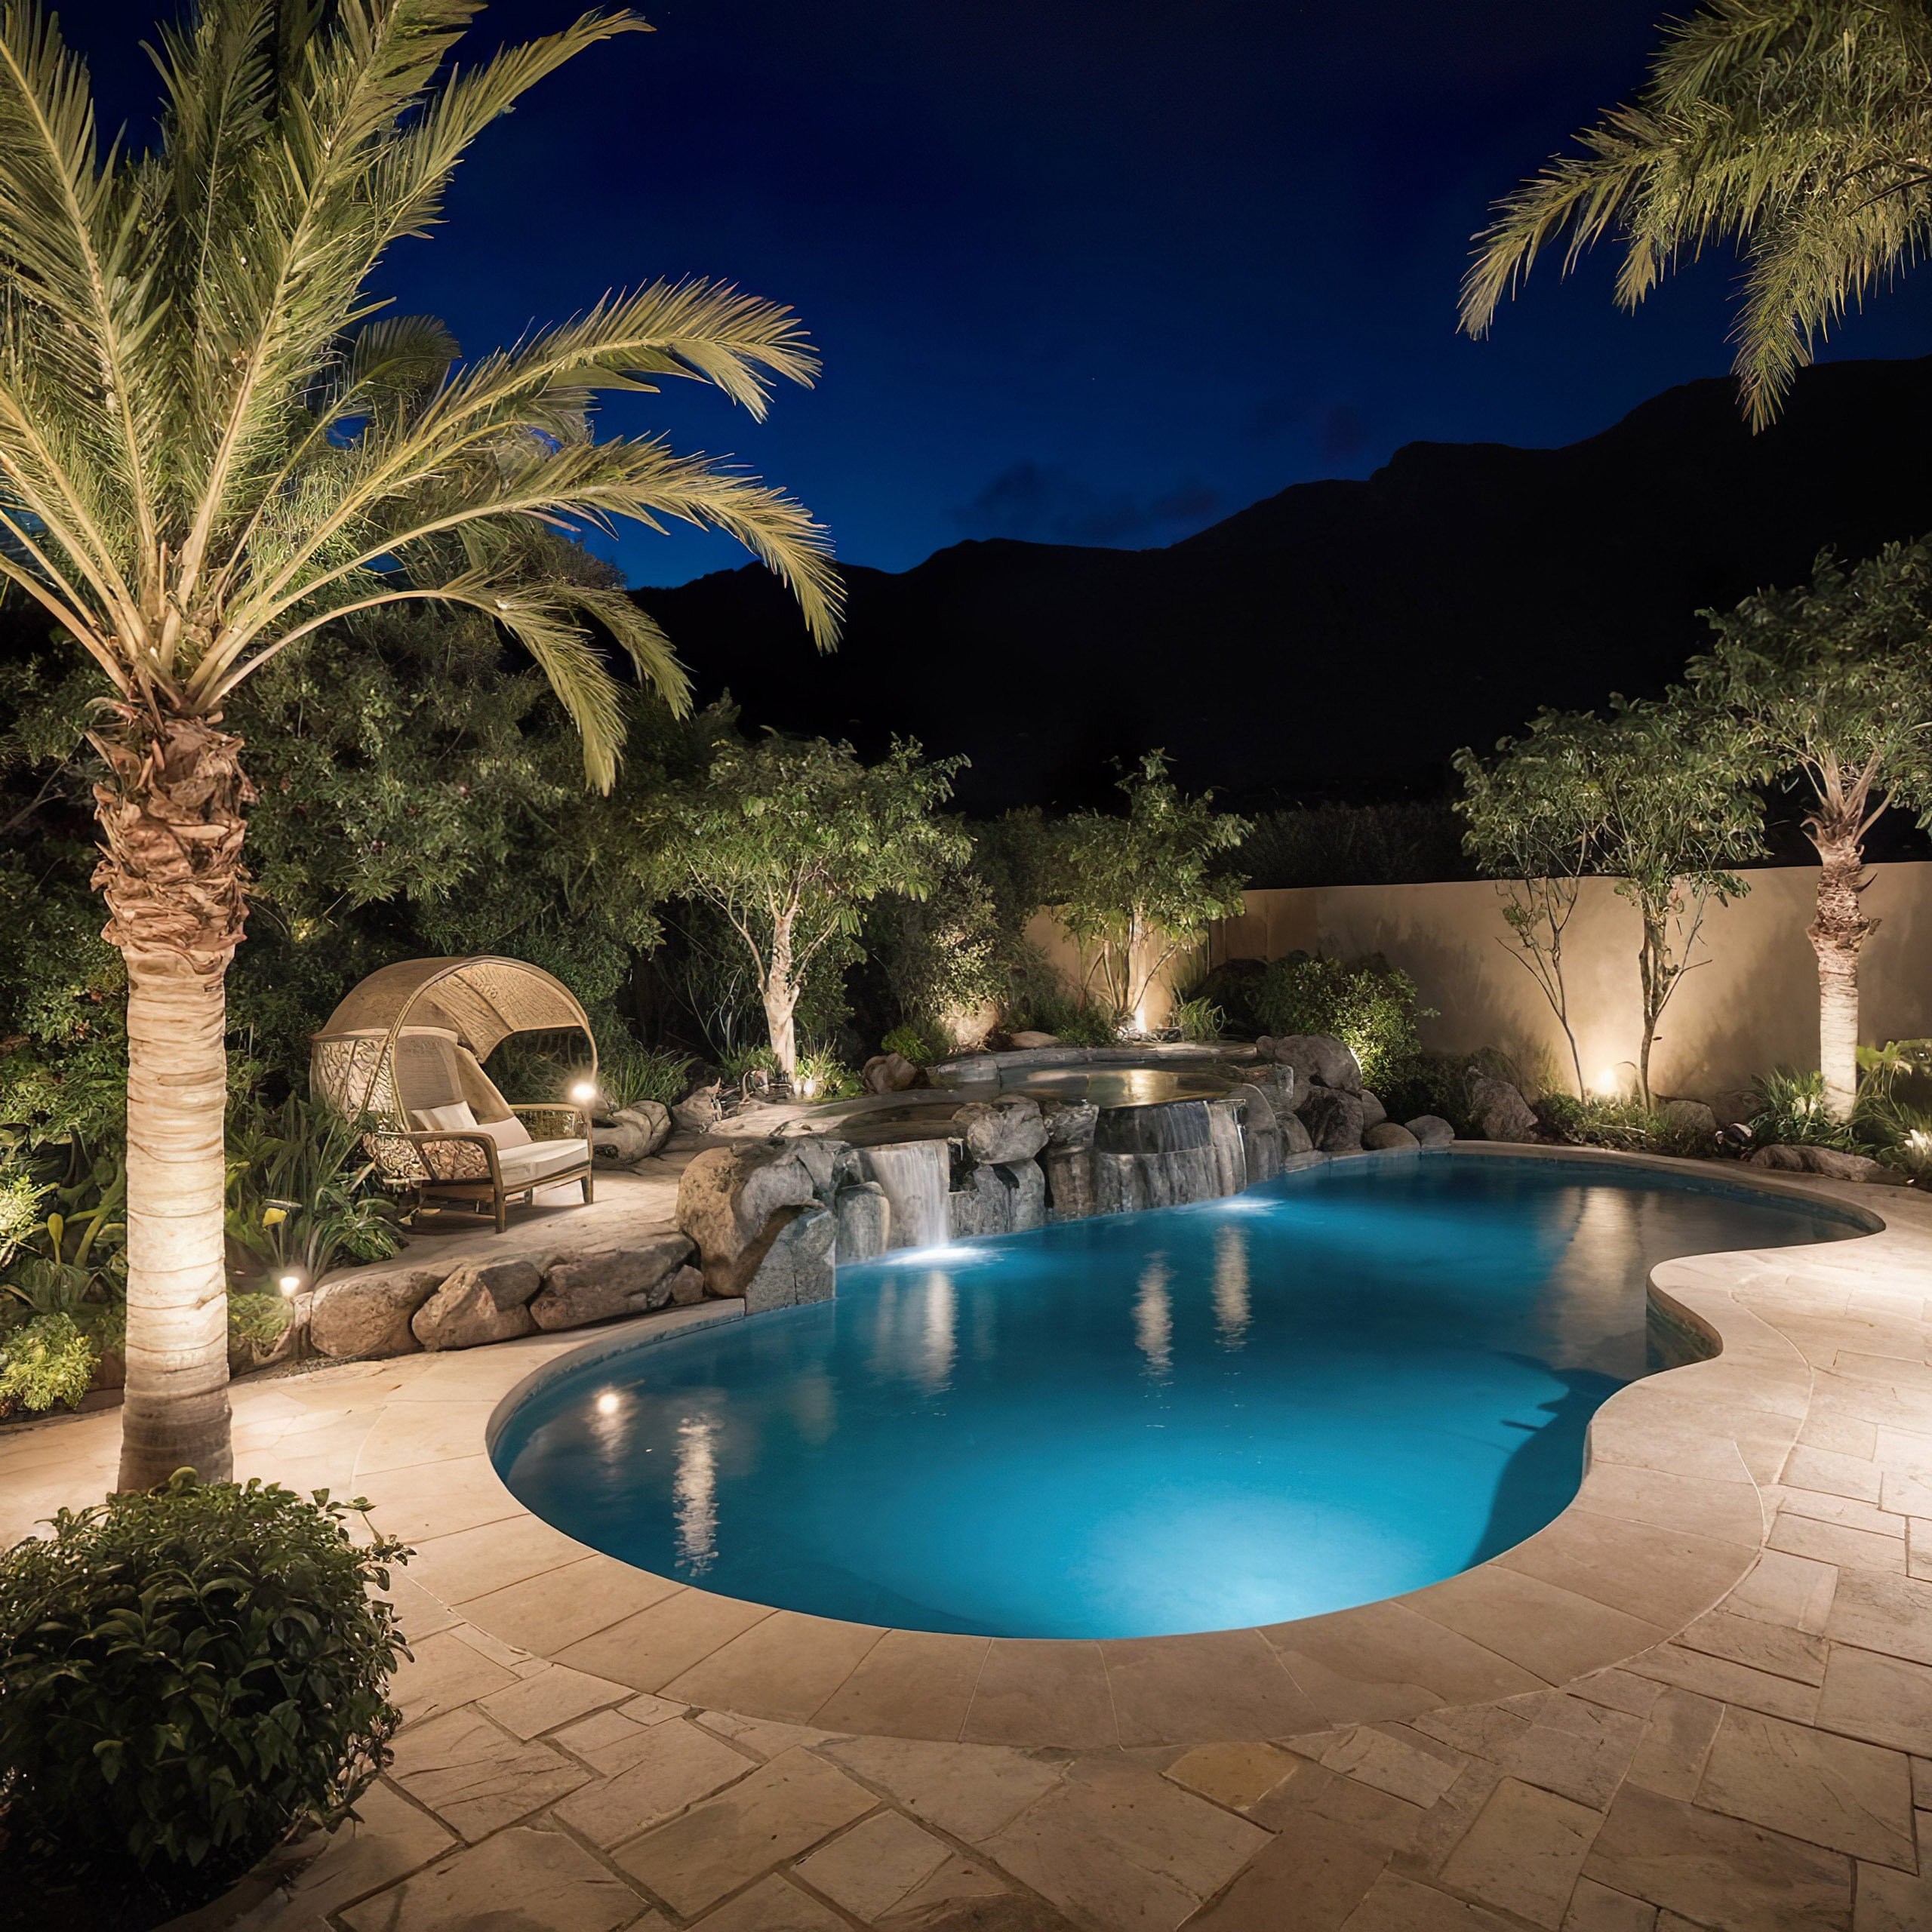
(584, 1093)
(290, 1284)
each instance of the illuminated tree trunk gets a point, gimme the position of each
(1838, 929)
(781, 1000)
(172, 829)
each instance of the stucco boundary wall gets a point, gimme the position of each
(1750, 1002)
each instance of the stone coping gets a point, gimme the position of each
(1672, 1513)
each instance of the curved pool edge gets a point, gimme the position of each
(1670, 1516)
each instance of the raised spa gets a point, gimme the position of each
(1355, 1380)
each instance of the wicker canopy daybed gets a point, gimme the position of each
(405, 1049)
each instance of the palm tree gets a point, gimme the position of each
(1799, 130)
(211, 446)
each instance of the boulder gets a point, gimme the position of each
(1499, 1112)
(1373, 1113)
(1010, 1128)
(686, 1286)
(1385, 1137)
(797, 1266)
(464, 1314)
(730, 1202)
(609, 1282)
(1294, 1135)
(698, 1114)
(888, 1073)
(350, 1320)
(652, 1118)
(832, 1165)
(1069, 1123)
(864, 1222)
(617, 1143)
(1031, 1041)
(1333, 1120)
(510, 1284)
(1833, 1163)
(1285, 1086)
(1026, 1185)
(1257, 1110)
(1431, 1131)
(1693, 1116)
(1320, 1060)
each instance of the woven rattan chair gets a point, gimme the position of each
(405, 1052)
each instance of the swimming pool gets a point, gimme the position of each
(1355, 1380)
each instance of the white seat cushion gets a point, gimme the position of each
(537, 1158)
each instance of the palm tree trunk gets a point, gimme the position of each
(172, 830)
(1838, 929)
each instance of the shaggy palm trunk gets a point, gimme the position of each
(1837, 931)
(172, 830)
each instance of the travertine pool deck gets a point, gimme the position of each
(1702, 1697)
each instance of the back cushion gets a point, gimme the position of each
(455, 1119)
(510, 1132)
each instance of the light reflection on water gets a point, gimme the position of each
(1232, 1312)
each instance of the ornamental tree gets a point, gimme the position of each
(1656, 794)
(1524, 831)
(1137, 888)
(213, 446)
(1833, 684)
(790, 839)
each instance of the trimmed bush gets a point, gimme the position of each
(186, 1674)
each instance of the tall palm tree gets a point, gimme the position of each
(1798, 131)
(211, 446)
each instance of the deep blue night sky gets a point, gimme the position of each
(1079, 273)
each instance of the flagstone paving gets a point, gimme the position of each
(1702, 1698)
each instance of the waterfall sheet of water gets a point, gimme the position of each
(916, 1175)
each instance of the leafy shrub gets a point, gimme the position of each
(1198, 1019)
(186, 1674)
(1436, 1084)
(257, 1319)
(628, 1073)
(1366, 1004)
(301, 1191)
(50, 1359)
(1788, 1106)
(921, 1044)
(827, 1077)
(1094, 1026)
(20, 1196)
(745, 1059)
(1625, 1123)
(1904, 1137)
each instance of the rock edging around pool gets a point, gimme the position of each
(1669, 1518)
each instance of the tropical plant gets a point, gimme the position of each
(821, 1075)
(1197, 1018)
(1790, 1106)
(212, 447)
(920, 1045)
(46, 1360)
(1625, 1123)
(186, 1673)
(789, 840)
(1795, 130)
(629, 1073)
(1524, 831)
(1138, 888)
(1834, 683)
(301, 1191)
(1367, 1004)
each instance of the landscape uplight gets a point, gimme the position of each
(584, 1093)
(290, 1284)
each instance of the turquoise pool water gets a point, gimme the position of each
(1357, 1379)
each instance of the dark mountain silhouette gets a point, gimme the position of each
(1340, 639)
